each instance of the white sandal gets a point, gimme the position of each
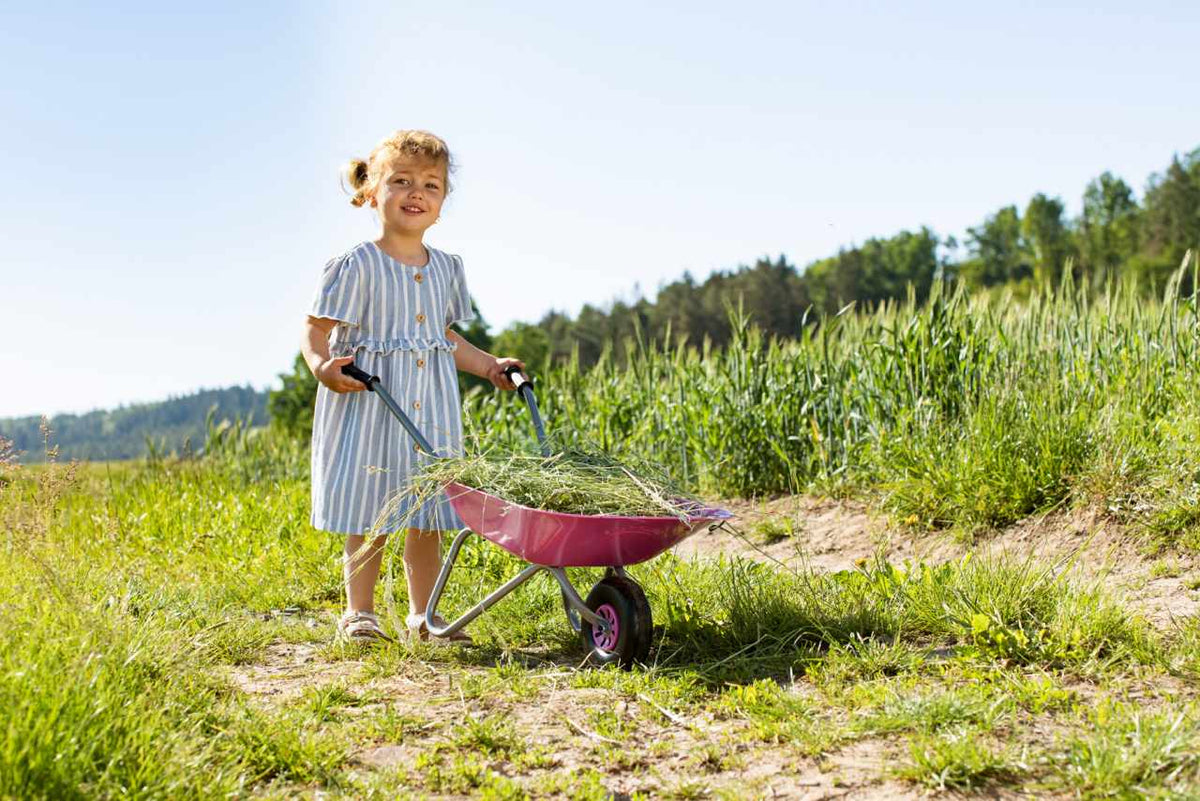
(361, 627)
(418, 631)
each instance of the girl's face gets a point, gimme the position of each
(410, 194)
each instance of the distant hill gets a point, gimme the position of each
(122, 433)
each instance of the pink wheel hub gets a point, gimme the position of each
(606, 641)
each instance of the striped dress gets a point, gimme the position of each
(392, 317)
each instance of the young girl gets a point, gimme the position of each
(387, 306)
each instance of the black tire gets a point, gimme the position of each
(634, 624)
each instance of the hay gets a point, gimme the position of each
(573, 480)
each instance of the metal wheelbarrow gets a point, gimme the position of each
(615, 621)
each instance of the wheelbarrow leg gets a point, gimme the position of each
(574, 603)
(479, 608)
(572, 615)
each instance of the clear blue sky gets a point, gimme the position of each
(170, 171)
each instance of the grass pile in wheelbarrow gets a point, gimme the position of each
(571, 509)
(573, 480)
(574, 508)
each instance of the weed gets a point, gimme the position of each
(268, 751)
(860, 659)
(388, 724)
(718, 758)
(773, 529)
(932, 711)
(1130, 753)
(778, 716)
(687, 790)
(1166, 568)
(492, 735)
(321, 702)
(957, 760)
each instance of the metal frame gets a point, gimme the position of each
(576, 610)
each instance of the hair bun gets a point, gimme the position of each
(357, 173)
(357, 176)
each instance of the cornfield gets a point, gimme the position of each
(963, 409)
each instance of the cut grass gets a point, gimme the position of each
(573, 480)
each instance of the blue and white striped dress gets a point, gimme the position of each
(392, 317)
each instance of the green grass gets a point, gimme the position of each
(960, 759)
(131, 595)
(1133, 753)
(129, 592)
(932, 711)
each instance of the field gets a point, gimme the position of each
(967, 562)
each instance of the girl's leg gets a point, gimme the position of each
(422, 560)
(361, 571)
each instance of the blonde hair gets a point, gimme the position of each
(363, 176)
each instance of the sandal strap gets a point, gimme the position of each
(362, 625)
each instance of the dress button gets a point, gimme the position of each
(416, 404)
(418, 278)
(416, 447)
(420, 362)
(420, 318)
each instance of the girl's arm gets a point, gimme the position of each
(471, 359)
(315, 348)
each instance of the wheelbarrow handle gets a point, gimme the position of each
(359, 374)
(517, 377)
(373, 384)
(525, 390)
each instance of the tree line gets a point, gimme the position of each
(1115, 237)
(174, 425)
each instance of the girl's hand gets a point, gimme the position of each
(330, 374)
(495, 372)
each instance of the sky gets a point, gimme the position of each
(171, 170)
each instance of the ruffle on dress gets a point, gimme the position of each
(385, 346)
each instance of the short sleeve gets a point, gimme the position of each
(458, 309)
(340, 293)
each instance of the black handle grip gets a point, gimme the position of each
(519, 378)
(354, 372)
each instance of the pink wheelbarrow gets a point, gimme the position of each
(615, 621)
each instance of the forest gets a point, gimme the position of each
(1114, 238)
(174, 425)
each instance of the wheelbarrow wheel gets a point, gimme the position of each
(622, 603)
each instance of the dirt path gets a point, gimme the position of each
(542, 731)
(645, 748)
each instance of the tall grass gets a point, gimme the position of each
(996, 606)
(962, 410)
